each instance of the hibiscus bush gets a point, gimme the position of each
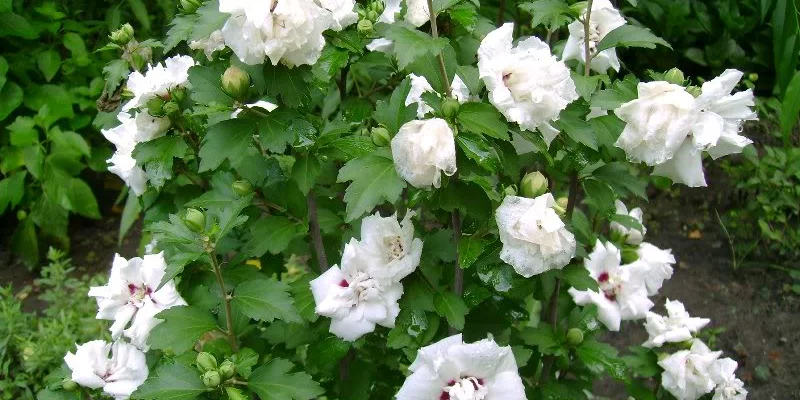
(412, 199)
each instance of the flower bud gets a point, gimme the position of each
(533, 185)
(178, 94)
(190, 6)
(155, 107)
(562, 202)
(574, 336)
(753, 77)
(450, 107)
(195, 219)
(171, 108)
(123, 35)
(242, 187)
(235, 394)
(372, 15)
(380, 136)
(206, 361)
(236, 83)
(629, 254)
(365, 26)
(510, 190)
(376, 6)
(227, 369)
(21, 215)
(212, 379)
(69, 384)
(138, 61)
(675, 76)
(694, 90)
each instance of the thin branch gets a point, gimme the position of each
(587, 27)
(458, 273)
(501, 12)
(435, 34)
(552, 306)
(227, 300)
(316, 233)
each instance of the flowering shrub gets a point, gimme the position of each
(342, 205)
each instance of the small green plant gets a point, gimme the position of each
(32, 344)
(765, 227)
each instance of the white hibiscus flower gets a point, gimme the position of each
(604, 19)
(454, 370)
(354, 300)
(131, 298)
(534, 237)
(525, 82)
(213, 43)
(686, 372)
(158, 81)
(678, 326)
(729, 387)
(420, 85)
(118, 374)
(622, 294)
(654, 266)
(388, 250)
(288, 31)
(632, 236)
(422, 150)
(716, 129)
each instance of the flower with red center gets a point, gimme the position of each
(117, 368)
(453, 370)
(130, 298)
(621, 294)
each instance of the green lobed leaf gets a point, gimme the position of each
(81, 198)
(550, 13)
(410, 43)
(12, 189)
(179, 30)
(483, 119)
(290, 84)
(182, 327)
(265, 300)
(226, 140)
(171, 382)
(600, 357)
(10, 98)
(305, 171)
(478, 149)
(452, 307)
(271, 234)
(273, 381)
(374, 181)
(394, 113)
(207, 86)
(631, 36)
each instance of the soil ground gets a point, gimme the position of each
(756, 322)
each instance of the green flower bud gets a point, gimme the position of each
(236, 83)
(138, 61)
(212, 379)
(68, 384)
(377, 6)
(178, 94)
(227, 369)
(365, 132)
(190, 6)
(753, 77)
(694, 90)
(629, 254)
(380, 136)
(534, 184)
(675, 76)
(510, 190)
(171, 108)
(21, 215)
(365, 26)
(242, 187)
(562, 202)
(123, 35)
(450, 108)
(206, 361)
(372, 15)
(155, 107)
(235, 394)
(195, 219)
(574, 336)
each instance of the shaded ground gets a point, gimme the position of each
(754, 321)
